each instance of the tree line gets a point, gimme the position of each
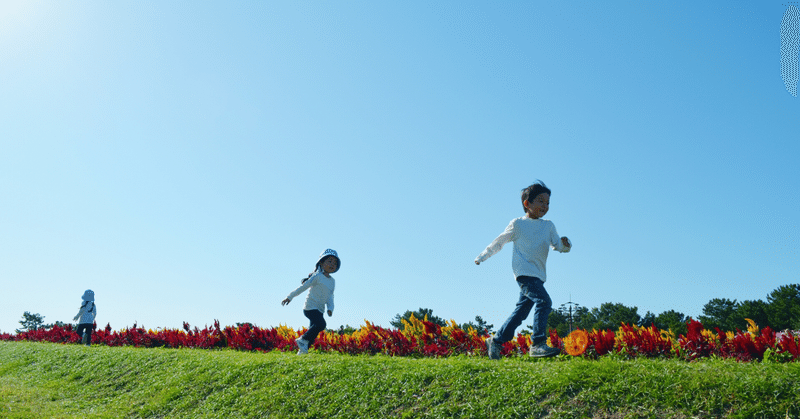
(780, 311)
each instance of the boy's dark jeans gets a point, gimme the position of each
(532, 295)
(317, 325)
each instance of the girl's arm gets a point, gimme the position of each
(329, 303)
(298, 291)
(80, 312)
(498, 243)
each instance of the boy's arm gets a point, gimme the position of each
(561, 244)
(498, 243)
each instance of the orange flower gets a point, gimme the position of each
(575, 344)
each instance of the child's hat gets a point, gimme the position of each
(88, 295)
(330, 252)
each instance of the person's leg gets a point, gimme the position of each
(88, 335)
(81, 331)
(317, 325)
(520, 313)
(534, 291)
(542, 305)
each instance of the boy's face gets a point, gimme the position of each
(329, 265)
(539, 206)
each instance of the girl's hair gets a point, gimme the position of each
(318, 268)
(531, 192)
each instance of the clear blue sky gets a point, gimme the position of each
(188, 161)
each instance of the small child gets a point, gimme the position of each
(532, 237)
(321, 284)
(85, 318)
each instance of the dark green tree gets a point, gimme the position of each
(672, 320)
(583, 318)
(755, 310)
(31, 322)
(419, 314)
(648, 319)
(344, 330)
(556, 320)
(720, 313)
(784, 307)
(611, 315)
(480, 326)
(564, 320)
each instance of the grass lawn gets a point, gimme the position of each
(43, 380)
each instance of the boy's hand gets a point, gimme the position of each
(565, 242)
(330, 313)
(285, 301)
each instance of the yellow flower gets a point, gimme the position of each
(752, 327)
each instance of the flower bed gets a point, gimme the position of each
(421, 338)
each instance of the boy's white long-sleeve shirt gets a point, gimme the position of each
(533, 238)
(320, 293)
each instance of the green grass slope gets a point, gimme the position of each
(42, 380)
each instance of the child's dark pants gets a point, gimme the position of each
(84, 330)
(532, 295)
(317, 325)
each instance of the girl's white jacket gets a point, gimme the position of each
(87, 313)
(320, 293)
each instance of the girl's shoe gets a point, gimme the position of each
(303, 345)
(543, 351)
(492, 349)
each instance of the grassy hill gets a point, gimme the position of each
(44, 380)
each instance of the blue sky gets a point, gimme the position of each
(189, 161)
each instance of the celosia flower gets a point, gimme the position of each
(752, 327)
(576, 343)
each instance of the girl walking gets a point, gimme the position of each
(320, 284)
(85, 318)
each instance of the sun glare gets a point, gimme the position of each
(17, 15)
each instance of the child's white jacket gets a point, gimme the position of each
(533, 238)
(87, 313)
(320, 293)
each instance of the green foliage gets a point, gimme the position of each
(755, 310)
(31, 322)
(73, 381)
(720, 313)
(343, 330)
(784, 307)
(480, 325)
(420, 314)
(671, 320)
(611, 315)
(556, 320)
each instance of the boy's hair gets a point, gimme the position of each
(531, 192)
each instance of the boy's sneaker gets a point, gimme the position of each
(543, 351)
(492, 349)
(303, 345)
